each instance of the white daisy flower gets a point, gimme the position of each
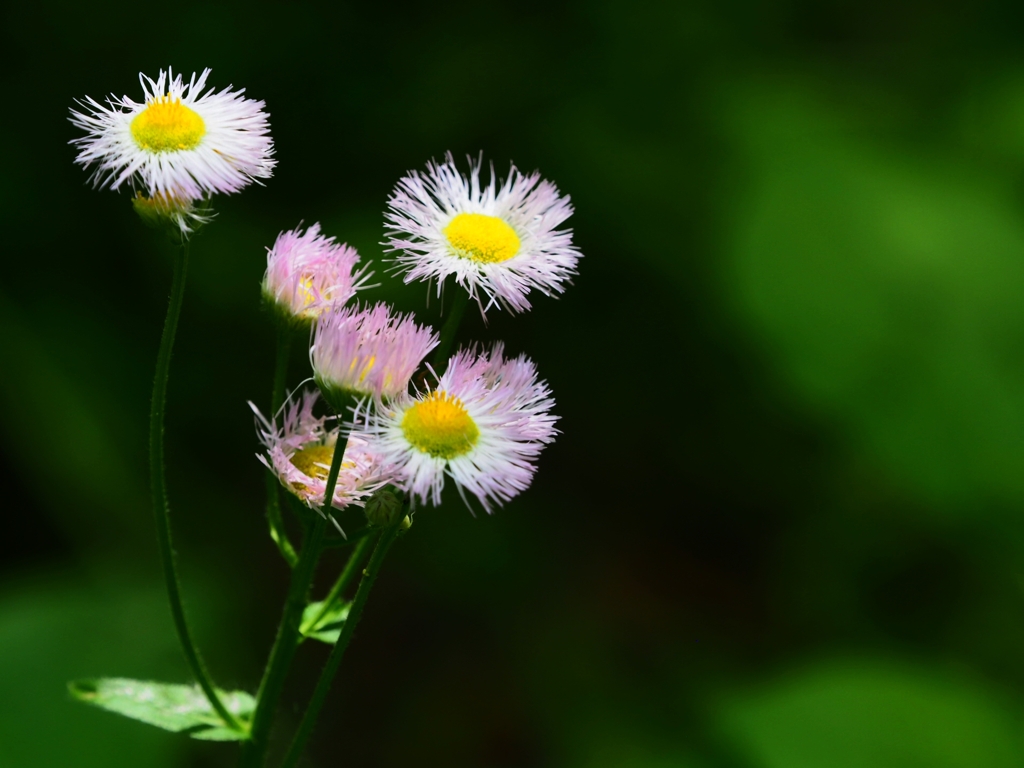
(178, 142)
(483, 425)
(500, 242)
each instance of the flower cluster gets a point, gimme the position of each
(483, 421)
(391, 431)
(486, 418)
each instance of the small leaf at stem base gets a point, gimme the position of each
(178, 708)
(328, 627)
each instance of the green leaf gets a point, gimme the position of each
(872, 714)
(220, 733)
(885, 288)
(177, 708)
(326, 628)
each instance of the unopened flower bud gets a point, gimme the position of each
(359, 351)
(383, 508)
(308, 273)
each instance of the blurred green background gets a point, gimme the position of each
(783, 525)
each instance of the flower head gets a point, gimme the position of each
(300, 451)
(178, 141)
(499, 242)
(359, 352)
(483, 425)
(307, 273)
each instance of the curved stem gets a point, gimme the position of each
(451, 325)
(330, 669)
(337, 542)
(274, 520)
(346, 577)
(284, 347)
(288, 636)
(158, 482)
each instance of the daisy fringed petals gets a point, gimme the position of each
(358, 352)
(498, 241)
(299, 453)
(483, 425)
(178, 141)
(308, 273)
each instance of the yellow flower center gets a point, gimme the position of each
(308, 296)
(364, 365)
(439, 425)
(167, 125)
(314, 461)
(482, 238)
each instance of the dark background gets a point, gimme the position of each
(782, 527)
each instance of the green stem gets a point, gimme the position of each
(285, 644)
(330, 669)
(288, 636)
(304, 514)
(275, 522)
(338, 542)
(346, 577)
(284, 346)
(158, 481)
(451, 325)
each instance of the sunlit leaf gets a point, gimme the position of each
(326, 628)
(178, 708)
(42, 647)
(217, 734)
(872, 714)
(885, 290)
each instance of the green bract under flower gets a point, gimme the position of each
(179, 216)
